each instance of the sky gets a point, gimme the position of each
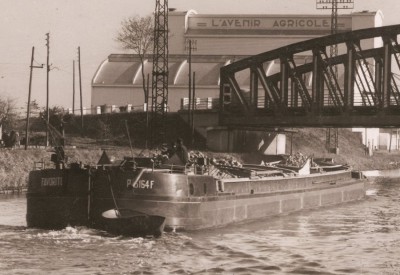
(92, 25)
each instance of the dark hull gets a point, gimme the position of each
(56, 213)
(133, 223)
(57, 198)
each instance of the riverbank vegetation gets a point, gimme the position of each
(109, 133)
(16, 164)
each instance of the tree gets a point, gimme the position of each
(56, 115)
(8, 113)
(34, 107)
(137, 34)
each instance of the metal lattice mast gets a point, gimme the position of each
(332, 135)
(160, 73)
(334, 29)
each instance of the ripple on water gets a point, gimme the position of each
(180, 271)
(248, 261)
(305, 270)
(267, 267)
(347, 270)
(212, 270)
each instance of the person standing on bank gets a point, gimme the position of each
(181, 151)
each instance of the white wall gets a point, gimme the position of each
(370, 136)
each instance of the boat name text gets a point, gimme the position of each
(140, 184)
(57, 181)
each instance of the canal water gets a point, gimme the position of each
(356, 238)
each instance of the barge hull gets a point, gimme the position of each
(216, 211)
(57, 198)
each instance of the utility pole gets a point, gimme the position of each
(80, 86)
(147, 112)
(73, 87)
(47, 87)
(332, 135)
(28, 111)
(193, 105)
(190, 46)
(190, 81)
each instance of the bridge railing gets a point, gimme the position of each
(208, 103)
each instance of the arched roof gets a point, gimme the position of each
(120, 69)
(116, 73)
(126, 70)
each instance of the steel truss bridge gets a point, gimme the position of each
(304, 91)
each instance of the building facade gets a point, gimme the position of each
(217, 40)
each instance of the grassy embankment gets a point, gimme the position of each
(311, 142)
(16, 164)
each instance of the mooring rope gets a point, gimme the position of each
(117, 212)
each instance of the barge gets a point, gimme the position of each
(168, 196)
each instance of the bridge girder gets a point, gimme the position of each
(305, 91)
